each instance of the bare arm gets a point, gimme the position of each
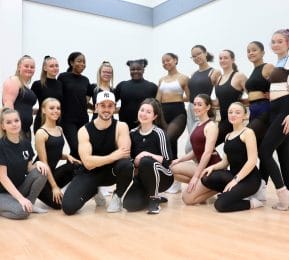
(211, 133)
(184, 83)
(249, 138)
(159, 94)
(10, 91)
(215, 76)
(123, 138)
(40, 140)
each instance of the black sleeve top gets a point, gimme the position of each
(75, 90)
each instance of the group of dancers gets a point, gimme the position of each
(139, 152)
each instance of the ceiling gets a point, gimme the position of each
(148, 3)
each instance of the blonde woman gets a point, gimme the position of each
(20, 180)
(47, 86)
(49, 143)
(18, 96)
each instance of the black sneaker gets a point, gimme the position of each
(163, 199)
(154, 206)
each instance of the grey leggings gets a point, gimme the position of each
(30, 188)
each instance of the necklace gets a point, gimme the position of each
(147, 132)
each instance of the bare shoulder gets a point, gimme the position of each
(12, 81)
(122, 126)
(41, 134)
(211, 127)
(240, 76)
(82, 133)
(183, 77)
(267, 70)
(248, 135)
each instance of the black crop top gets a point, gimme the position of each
(256, 81)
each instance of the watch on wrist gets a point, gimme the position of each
(236, 178)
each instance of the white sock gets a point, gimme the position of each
(254, 203)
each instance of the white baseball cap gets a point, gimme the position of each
(104, 96)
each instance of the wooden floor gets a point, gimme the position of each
(178, 232)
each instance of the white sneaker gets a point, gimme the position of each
(261, 192)
(39, 210)
(254, 203)
(99, 199)
(175, 188)
(115, 204)
(106, 190)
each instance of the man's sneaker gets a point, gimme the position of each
(106, 190)
(154, 206)
(99, 199)
(176, 187)
(115, 204)
(163, 199)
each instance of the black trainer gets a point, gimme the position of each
(154, 206)
(163, 199)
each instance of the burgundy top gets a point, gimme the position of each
(198, 141)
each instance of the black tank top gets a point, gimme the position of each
(103, 141)
(200, 83)
(236, 153)
(23, 104)
(54, 147)
(226, 95)
(256, 81)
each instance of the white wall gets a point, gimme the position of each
(222, 24)
(57, 32)
(11, 37)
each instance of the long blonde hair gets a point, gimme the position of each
(17, 72)
(43, 76)
(98, 78)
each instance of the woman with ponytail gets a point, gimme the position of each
(276, 137)
(188, 168)
(49, 143)
(47, 86)
(229, 89)
(202, 81)
(17, 94)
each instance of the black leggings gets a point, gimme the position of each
(176, 118)
(84, 184)
(274, 139)
(151, 179)
(70, 131)
(233, 200)
(259, 122)
(62, 176)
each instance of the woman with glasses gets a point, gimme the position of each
(202, 81)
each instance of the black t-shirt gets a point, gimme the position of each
(132, 93)
(53, 88)
(16, 158)
(75, 90)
